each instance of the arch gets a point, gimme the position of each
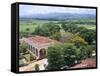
(42, 53)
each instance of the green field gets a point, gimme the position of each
(23, 28)
(32, 24)
(87, 26)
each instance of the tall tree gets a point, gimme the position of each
(47, 29)
(88, 35)
(84, 52)
(56, 36)
(70, 27)
(69, 54)
(78, 41)
(55, 58)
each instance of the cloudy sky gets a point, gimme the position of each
(28, 10)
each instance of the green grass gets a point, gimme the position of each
(23, 28)
(31, 25)
(93, 27)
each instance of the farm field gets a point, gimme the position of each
(24, 27)
(32, 24)
(87, 26)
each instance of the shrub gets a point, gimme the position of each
(37, 67)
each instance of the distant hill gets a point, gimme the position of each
(60, 16)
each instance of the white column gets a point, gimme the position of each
(35, 51)
(38, 53)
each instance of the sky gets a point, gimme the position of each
(28, 10)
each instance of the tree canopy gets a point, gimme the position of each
(55, 58)
(47, 29)
(69, 52)
(78, 41)
(88, 35)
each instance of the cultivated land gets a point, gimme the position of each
(32, 24)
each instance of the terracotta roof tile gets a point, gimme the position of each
(40, 40)
(86, 63)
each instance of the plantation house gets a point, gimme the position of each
(38, 45)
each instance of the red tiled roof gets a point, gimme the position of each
(40, 39)
(86, 63)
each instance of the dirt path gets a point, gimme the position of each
(31, 66)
